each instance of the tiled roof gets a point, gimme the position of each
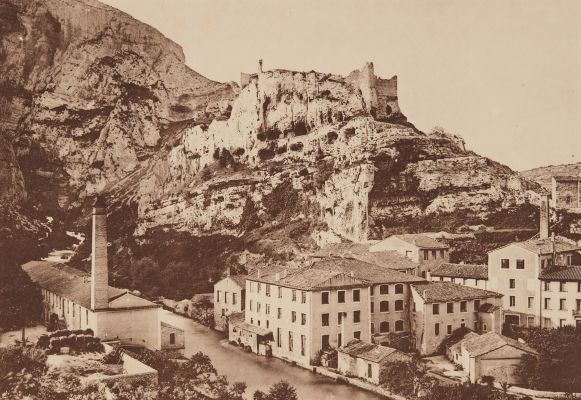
(360, 251)
(75, 285)
(488, 308)
(455, 345)
(345, 249)
(370, 273)
(544, 246)
(473, 271)
(240, 280)
(566, 178)
(422, 241)
(250, 328)
(490, 341)
(367, 351)
(568, 273)
(435, 292)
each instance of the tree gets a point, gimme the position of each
(20, 298)
(279, 391)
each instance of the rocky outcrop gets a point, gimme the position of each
(93, 100)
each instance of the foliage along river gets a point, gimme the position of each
(260, 372)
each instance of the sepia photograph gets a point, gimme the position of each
(290, 200)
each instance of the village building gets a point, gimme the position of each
(566, 193)
(366, 360)
(561, 296)
(295, 313)
(73, 299)
(418, 247)
(473, 275)
(491, 354)
(515, 270)
(440, 308)
(229, 297)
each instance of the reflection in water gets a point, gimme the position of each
(260, 372)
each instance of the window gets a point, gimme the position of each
(356, 316)
(449, 329)
(356, 295)
(303, 319)
(433, 253)
(453, 280)
(267, 290)
(504, 263)
(569, 259)
(279, 313)
(250, 304)
(303, 297)
(325, 319)
(436, 329)
(172, 338)
(562, 322)
(512, 283)
(547, 304)
(425, 254)
(578, 305)
(218, 296)
(372, 328)
(476, 305)
(449, 308)
(259, 286)
(562, 287)
(293, 316)
(579, 286)
(530, 322)
(324, 297)
(436, 309)
(325, 342)
(339, 318)
(384, 289)
(223, 312)
(512, 300)
(399, 325)
(258, 307)
(476, 324)
(372, 307)
(267, 309)
(399, 305)
(371, 290)
(339, 340)
(547, 286)
(341, 296)
(290, 341)
(399, 288)
(234, 298)
(303, 344)
(369, 371)
(484, 328)
(384, 327)
(279, 292)
(520, 264)
(463, 306)
(441, 253)
(294, 295)
(87, 316)
(562, 304)
(225, 297)
(357, 334)
(384, 306)
(531, 301)
(278, 338)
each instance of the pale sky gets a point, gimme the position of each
(505, 75)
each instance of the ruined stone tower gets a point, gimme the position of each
(544, 217)
(99, 262)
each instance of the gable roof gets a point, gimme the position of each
(491, 341)
(240, 280)
(75, 285)
(565, 273)
(543, 246)
(368, 351)
(566, 178)
(439, 292)
(360, 251)
(422, 241)
(474, 271)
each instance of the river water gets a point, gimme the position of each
(260, 372)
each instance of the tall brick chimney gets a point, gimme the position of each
(99, 265)
(544, 219)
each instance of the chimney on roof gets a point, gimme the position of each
(258, 273)
(352, 274)
(544, 217)
(99, 261)
(553, 249)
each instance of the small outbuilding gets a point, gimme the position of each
(364, 360)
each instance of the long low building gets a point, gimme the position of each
(473, 275)
(73, 299)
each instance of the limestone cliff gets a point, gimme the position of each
(92, 100)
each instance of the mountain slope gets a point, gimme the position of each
(199, 171)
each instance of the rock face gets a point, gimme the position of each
(92, 100)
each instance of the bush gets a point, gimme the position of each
(331, 137)
(265, 154)
(300, 128)
(298, 146)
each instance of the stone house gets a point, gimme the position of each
(440, 308)
(229, 297)
(465, 274)
(492, 354)
(561, 296)
(566, 193)
(365, 360)
(419, 248)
